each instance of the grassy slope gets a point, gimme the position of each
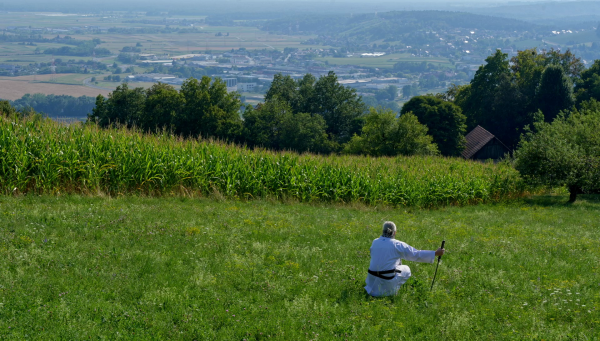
(142, 268)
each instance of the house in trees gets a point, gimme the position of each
(483, 145)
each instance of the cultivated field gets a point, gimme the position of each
(12, 88)
(188, 269)
(169, 43)
(53, 158)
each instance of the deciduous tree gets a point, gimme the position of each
(209, 110)
(444, 119)
(565, 152)
(554, 93)
(386, 135)
(123, 106)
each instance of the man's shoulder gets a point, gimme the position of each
(387, 240)
(398, 242)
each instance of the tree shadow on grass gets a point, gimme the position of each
(591, 200)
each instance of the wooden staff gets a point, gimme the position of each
(436, 267)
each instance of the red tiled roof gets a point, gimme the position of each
(476, 139)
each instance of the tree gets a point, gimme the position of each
(554, 93)
(202, 108)
(208, 110)
(123, 106)
(284, 88)
(163, 102)
(262, 125)
(274, 125)
(340, 107)
(528, 67)
(6, 109)
(565, 152)
(304, 132)
(444, 119)
(392, 92)
(385, 135)
(483, 90)
(588, 86)
(503, 96)
(406, 91)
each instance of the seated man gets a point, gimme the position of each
(386, 272)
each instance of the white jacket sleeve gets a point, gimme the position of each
(410, 253)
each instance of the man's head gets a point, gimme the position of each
(389, 230)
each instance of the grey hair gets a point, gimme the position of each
(389, 228)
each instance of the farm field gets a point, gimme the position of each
(12, 88)
(250, 38)
(113, 85)
(55, 158)
(160, 43)
(207, 269)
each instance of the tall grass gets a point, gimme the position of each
(41, 156)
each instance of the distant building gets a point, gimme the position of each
(149, 62)
(191, 56)
(153, 77)
(232, 84)
(391, 80)
(246, 87)
(483, 145)
(147, 56)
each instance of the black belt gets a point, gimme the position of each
(380, 273)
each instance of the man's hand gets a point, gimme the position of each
(439, 252)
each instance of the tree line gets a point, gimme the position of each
(310, 114)
(544, 106)
(55, 105)
(322, 116)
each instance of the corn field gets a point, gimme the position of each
(40, 156)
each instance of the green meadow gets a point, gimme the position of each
(142, 268)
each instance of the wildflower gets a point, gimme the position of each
(525, 303)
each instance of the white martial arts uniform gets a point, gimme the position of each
(387, 254)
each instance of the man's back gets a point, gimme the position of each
(387, 255)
